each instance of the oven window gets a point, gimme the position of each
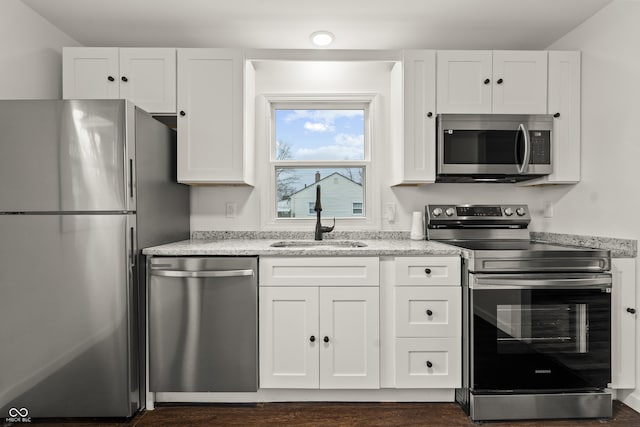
(540, 339)
(550, 328)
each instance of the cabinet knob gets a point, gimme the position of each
(631, 310)
(312, 338)
(429, 313)
(427, 271)
(110, 78)
(125, 79)
(500, 81)
(556, 115)
(487, 81)
(429, 114)
(325, 339)
(429, 364)
(182, 113)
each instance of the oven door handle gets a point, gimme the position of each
(518, 282)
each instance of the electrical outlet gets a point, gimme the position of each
(231, 210)
(389, 212)
(547, 208)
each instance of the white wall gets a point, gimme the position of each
(30, 54)
(608, 197)
(208, 203)
(30, 67)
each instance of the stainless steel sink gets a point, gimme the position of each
(318, 243)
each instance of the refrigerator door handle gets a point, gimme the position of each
(131, 178)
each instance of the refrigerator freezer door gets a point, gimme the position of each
(64, 156)
(67, 329)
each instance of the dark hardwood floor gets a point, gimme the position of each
(329, 414)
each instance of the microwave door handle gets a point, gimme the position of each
(527, 149)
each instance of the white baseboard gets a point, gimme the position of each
(291, 395)
(631, 398)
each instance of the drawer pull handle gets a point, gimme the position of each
(429, 364)
(631, 310)
(312, 338)
(427, 270)
(429, 313)
(325, 339)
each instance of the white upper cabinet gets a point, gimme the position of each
(90, 73)
(212, 142)
(564, 104)
(413, 120)
(145, 76)
(501, 82)
(464, 81)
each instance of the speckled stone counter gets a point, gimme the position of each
(262, 247)
(378, 243)
(620, 248)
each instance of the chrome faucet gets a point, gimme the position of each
(319, 227)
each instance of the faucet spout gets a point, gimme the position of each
(320, 229)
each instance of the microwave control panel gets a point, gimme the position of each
(540, 147)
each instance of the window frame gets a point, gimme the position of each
(328, 102)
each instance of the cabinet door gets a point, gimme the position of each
(289, 338)
(464, 81)
(520, 82)
(90, 73)
(210, 116)
(623, 324)
(148, 78)
(564, 104)
(349, 338)
(418, 163)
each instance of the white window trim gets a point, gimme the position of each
(266, 161)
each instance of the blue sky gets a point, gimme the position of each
(322, 134)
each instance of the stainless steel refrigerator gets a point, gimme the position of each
(84, 185)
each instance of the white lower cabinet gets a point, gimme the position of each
(428, 322)
(318, 336)
(623, 324)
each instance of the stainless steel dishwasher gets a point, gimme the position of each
(203, 324)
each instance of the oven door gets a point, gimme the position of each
(540, 332)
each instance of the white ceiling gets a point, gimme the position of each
(287, 24)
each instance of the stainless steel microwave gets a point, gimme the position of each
(493, 147)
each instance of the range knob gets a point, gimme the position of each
(508, 211)
(437, 212)
(521, 211)
(450, 211)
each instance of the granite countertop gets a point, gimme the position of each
(262, 247)
(380, 243)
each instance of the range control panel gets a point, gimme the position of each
(476, 213)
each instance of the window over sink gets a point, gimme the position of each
(322, 143)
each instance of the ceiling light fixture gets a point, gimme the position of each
(322, 38)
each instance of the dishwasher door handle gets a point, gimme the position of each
(202, 273)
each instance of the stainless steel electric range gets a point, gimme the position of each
(536, 317)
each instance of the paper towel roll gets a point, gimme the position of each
(417, 226)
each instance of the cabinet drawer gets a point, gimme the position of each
(428, 363)
(421, 271)
(319, 271)
(428, 311)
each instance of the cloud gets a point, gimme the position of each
(319, 127)
(346, 147)
(321, 120)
